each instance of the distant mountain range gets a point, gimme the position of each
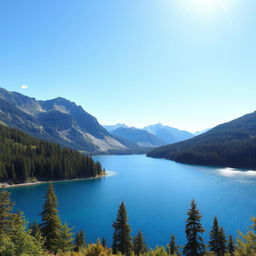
(62, 121)
(168, 134)
(58, 120)
(231, 144)
(141, 138)
(111, 128)
(150, 136)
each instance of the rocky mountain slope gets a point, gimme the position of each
(58, 120)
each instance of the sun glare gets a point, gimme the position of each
(208, 8)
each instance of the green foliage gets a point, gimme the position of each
(195, 244)
(51, 223)
(139, 246)
(231, 246)
(80, 241)
(20, 242)
(172, 247)
(122, 238)
(232, 144)
(65, 239)
(158, 251)
(246, 244)
(104, 242)
(35, 230)
(24, 158)
(6, 216)
(217, 243)
(96, 250)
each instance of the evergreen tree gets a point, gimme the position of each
(195, 244)
(173, 248)
(51, 224)
(80, 240)
(231, 246)
(122, 238)
(139, 246)
(217, 243)
(21, 242)
(6, 216)
(35, 230)
(222, 242)
(214, 237)
(104, 242)
(65, 239)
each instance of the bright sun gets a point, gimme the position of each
(209, 7)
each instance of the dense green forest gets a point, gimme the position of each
(52, 237)
(232, 144)
(24, 158)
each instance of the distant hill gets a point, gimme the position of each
(231, 144)
(168, 134)
(111, 128)
(57, 120)
(139, 137)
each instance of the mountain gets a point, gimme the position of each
(24, 158)
(231, 144)
(57, 120)
(168, 134)
(201, 132)
(111, 128)
(139, 137)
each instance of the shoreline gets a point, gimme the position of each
(6, 185)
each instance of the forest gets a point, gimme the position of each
(232, 144)
(52, 237)
(24, 158)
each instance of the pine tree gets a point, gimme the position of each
(173, 248)
(214, 237)
(35, 230)
(80, 240)
(104, 242)
(23, 243)
(217, 243)
(231, 246)
(51, 223)
(65, 239)
(222, 242)
(139, 246)
(195, 245)
(122, 238)
(6, 216)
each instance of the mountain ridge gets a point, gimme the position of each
(58, 120)
(231, 144)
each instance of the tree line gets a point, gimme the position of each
(226, 148)
(24, 158)
(52, 237)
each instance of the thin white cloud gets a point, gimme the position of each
(24, 86)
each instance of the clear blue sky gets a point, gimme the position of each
(190, 64)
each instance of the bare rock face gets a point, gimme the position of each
(58, 120)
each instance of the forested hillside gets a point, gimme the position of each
(23, 158)
(231, 144)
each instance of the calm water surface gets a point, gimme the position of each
(157, 194)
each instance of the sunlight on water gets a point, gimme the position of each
(231, 172)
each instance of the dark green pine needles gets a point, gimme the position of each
(194, 230)
(122, 241)
(23, 158)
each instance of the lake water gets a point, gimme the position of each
(157, 194)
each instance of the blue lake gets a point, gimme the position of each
(157, 194)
